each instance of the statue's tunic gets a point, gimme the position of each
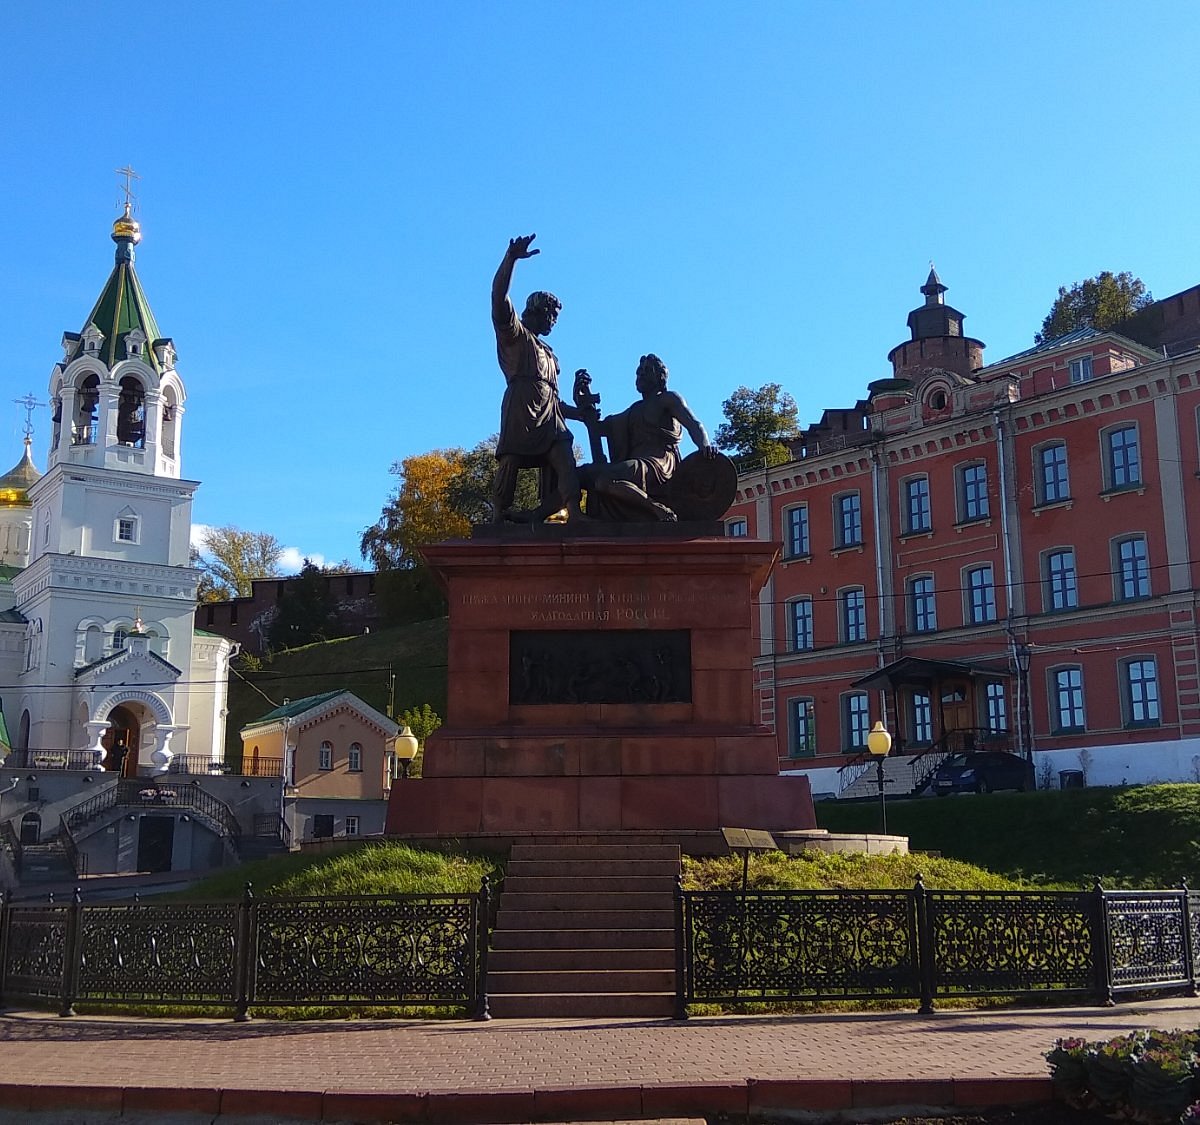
(531, 418)
(645, 438)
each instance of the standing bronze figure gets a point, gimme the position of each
(533, 432)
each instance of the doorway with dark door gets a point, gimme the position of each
(156, 840)
(31, 829)
(121, 741)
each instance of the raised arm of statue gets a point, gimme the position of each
(503, 312)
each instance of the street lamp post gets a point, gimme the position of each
(406, 749)
(879, 743)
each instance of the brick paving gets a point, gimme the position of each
(514, 1070)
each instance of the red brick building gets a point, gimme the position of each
(999, 555)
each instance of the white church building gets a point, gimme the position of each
(101, 667)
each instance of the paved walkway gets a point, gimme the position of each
(525, 1070)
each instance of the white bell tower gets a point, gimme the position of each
(112, 665)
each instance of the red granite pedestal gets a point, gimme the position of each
(600, 685)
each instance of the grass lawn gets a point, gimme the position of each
(1138, 836)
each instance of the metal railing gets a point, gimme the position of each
(12, 843)
(130, 792)
(927, 945)
(77, 859)
(196, 764)
(345, 950)
(52, 759)
(261, 767)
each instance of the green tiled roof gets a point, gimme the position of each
(295, 707)
(122, 307)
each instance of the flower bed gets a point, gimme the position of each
(1146, 1076)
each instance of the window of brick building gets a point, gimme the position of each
(802, 728)
(800, 624)
(921, 726)
(853, 606)
(1053, 484)
(1122, 462)
(737, 529)
(921, 605)
(973, 492)
(847, 519)
(996, 703)
(1132, 569)
(856, 720)
(1060, 580)
(917, 515)
(325, 756)
(1139, 689)
(1067, 700)
(796, 540)
(354, 758)
(1080, 369)
(981, 595)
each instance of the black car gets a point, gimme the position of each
(982, 771)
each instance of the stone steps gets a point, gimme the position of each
(586, 930)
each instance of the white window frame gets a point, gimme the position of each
(1079, 369)
(355, 758)
(352, 824)
(325, 756)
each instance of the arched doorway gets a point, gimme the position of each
(121, 742)
(31, 829)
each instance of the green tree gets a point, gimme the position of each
(417, 512)
(422, 721)
(469, 491)
(230, 559)
(1097, 302)
(307, 610)
(759, 424)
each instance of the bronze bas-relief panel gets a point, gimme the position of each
(609, 666)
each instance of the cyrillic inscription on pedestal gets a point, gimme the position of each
(600, 666)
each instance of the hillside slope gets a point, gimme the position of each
(415, 654)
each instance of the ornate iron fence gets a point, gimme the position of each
(929, 945)
(394, 949)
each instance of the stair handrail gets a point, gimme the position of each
(131, 791)
(853, 770)
(78, 859)
(91, 807)
(12, 842)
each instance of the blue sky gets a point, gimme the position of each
(753, 191)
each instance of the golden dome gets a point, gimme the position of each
(16, 483)
(127, 228)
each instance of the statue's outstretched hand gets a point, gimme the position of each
(709, 451)
(519, 247)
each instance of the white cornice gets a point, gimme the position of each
(172, 488)
(82, 573)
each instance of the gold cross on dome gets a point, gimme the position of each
(130, 175)
(30, 403)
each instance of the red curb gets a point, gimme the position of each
(351, 1105)
(1002, 1091)
(75, 1097)
(699, 1098)
(304, 1104)
(165, 1099)
(799, 1093)
(492, 1107)
(902, 1091)
(587, 1103)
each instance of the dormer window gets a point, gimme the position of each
(135, 341)
(92, 339)
(938, 399)
(1080, 369)
(120, 636)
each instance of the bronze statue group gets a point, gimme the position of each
(639, 480)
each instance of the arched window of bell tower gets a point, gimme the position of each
(170, 421)
(84, 427)
(131, 413)
(56, 413)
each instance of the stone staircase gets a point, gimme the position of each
(46, 862)
(585, 929)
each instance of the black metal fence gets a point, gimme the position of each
(927, 945)
(344, 950)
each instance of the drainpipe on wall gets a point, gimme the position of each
(877, 536)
